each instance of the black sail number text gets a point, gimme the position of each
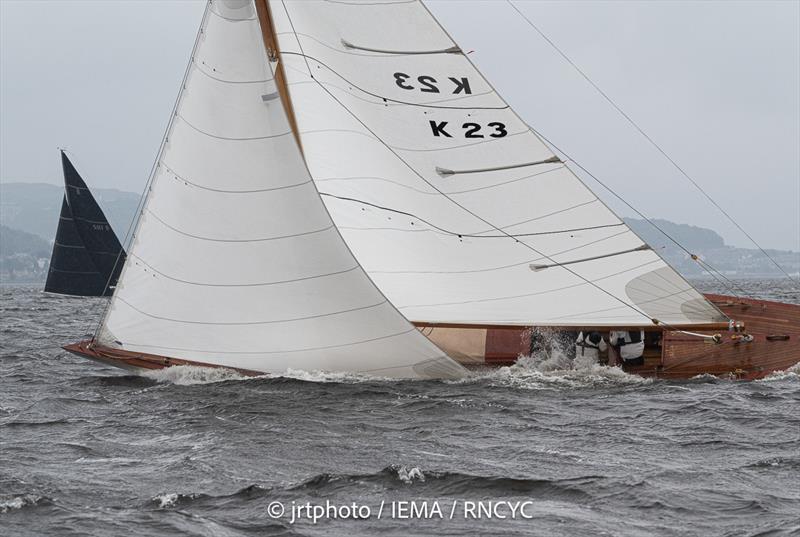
(495, 129)
(428, 84)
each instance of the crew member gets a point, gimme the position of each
(630, 346)
(588, 346)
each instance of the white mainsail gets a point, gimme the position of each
(457, 211)
(235, 260)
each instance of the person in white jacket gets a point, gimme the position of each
(630, 346)
(588, 347)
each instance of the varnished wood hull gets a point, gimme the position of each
(774, 326)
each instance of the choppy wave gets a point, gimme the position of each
(20, 501)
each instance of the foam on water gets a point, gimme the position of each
(18, 502)
(791, 373)
(166, 500)
(409, 475)
(336, 377)
(527, 374)
(188, 374)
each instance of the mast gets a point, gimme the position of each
(264, 12)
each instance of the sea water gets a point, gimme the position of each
(539, 448)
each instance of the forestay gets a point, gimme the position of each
(235, 260)
(458, 212)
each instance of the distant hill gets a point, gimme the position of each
(24, 257)
(709, 245)
(35, 207)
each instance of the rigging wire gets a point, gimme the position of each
(651, 141)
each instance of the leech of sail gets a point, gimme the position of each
(444, 172)
(450, 50)
(537, 268)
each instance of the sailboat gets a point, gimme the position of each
(340, 189)
(87, 256)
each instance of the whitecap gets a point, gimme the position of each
(189, 374)
(18, 502)
(166, 500)
(409, 475)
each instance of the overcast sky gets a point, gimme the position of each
(717, 84)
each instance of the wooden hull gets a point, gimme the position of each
(775, 328)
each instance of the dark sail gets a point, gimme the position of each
(87, 256)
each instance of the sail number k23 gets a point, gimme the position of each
(471, 130)
(428, 84)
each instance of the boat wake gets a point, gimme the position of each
(185, 375)
(535, 374)
(791, 373)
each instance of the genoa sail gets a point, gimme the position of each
(235, 260)
(458, 211)
(87, 255)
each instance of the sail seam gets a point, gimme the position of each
(250, 323)
(245, 139)
(502, 267)
(281, 351)
(75, 271)
(649, 301)
(256, 191)
(231, 19)
(237, 240)
(477, 235)
(260, 284)
(224, 81)
(537, 293)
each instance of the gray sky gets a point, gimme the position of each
(717, 84)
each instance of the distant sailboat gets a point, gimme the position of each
(335, 168)
(87, 256)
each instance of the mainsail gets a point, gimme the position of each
(456, 209)
(87, 256)
(235, 260)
